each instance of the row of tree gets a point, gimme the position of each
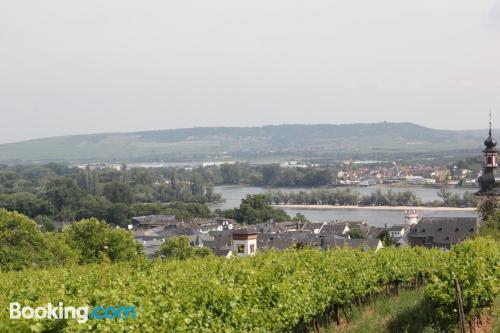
(347, 197)
(265, 175)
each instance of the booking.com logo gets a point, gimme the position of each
(82, 314)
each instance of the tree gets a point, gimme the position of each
(445, 195)
(385, 237)
(93, 206)
(22, 245)
(179, 248)
(63, 192)
(487, 207)
(118, 214)
(270, 174)
(94, 241)
(173, 180)
(357, 234)
(197, 185)
(22, 202)
(490, 226)
(45, 223)
(254, 209)
(299, 217)
(230, 173)
(118, 192)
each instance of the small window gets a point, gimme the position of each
(241, 248)
(440, 229)
(423, 230)
(252, 248)
(471, 230)
(457, 229)
(447, 238)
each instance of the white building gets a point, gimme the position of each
(411, 217)
(397, 231)
(244, 242)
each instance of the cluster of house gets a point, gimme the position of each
(417, 174)
(225, 237)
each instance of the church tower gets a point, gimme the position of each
(244, 242)
(487, 181)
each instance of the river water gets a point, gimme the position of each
(234, 194)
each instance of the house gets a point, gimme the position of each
(227, 224)
(313, 227)
(266, 241)
(151, 245)
(338, 228)
(397, 231)
(442, 232)
(224, 237)
(374, 232)
(288, 226)
(205, 225)
(198, 239)
(151, 221)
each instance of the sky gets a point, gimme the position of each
(71, 67)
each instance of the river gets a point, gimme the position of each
(234, 194)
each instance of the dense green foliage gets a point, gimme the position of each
(23, 245)
(270, 292)
(94, 241)
(180, 248)
(271, 175)
(66, 194)
(254, 209)
(491, 226)
(476, 266)
(348, 197)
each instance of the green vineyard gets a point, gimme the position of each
(288, 291)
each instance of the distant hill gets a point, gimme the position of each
(249, 143)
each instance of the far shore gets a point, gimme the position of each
(421, 208)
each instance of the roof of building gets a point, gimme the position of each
(245, 231)
(311, 226)
(444, 230)
(397, 227)
(154, 219)
(223, 252)
(334, 228)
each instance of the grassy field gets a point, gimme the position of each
(407, 313)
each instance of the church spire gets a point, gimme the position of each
(487, 181)
(490, 125)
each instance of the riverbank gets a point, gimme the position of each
(398, 208)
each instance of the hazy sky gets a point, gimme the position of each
(119, 65)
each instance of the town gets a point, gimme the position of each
(226, 237)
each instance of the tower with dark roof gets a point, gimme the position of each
(487, 181)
